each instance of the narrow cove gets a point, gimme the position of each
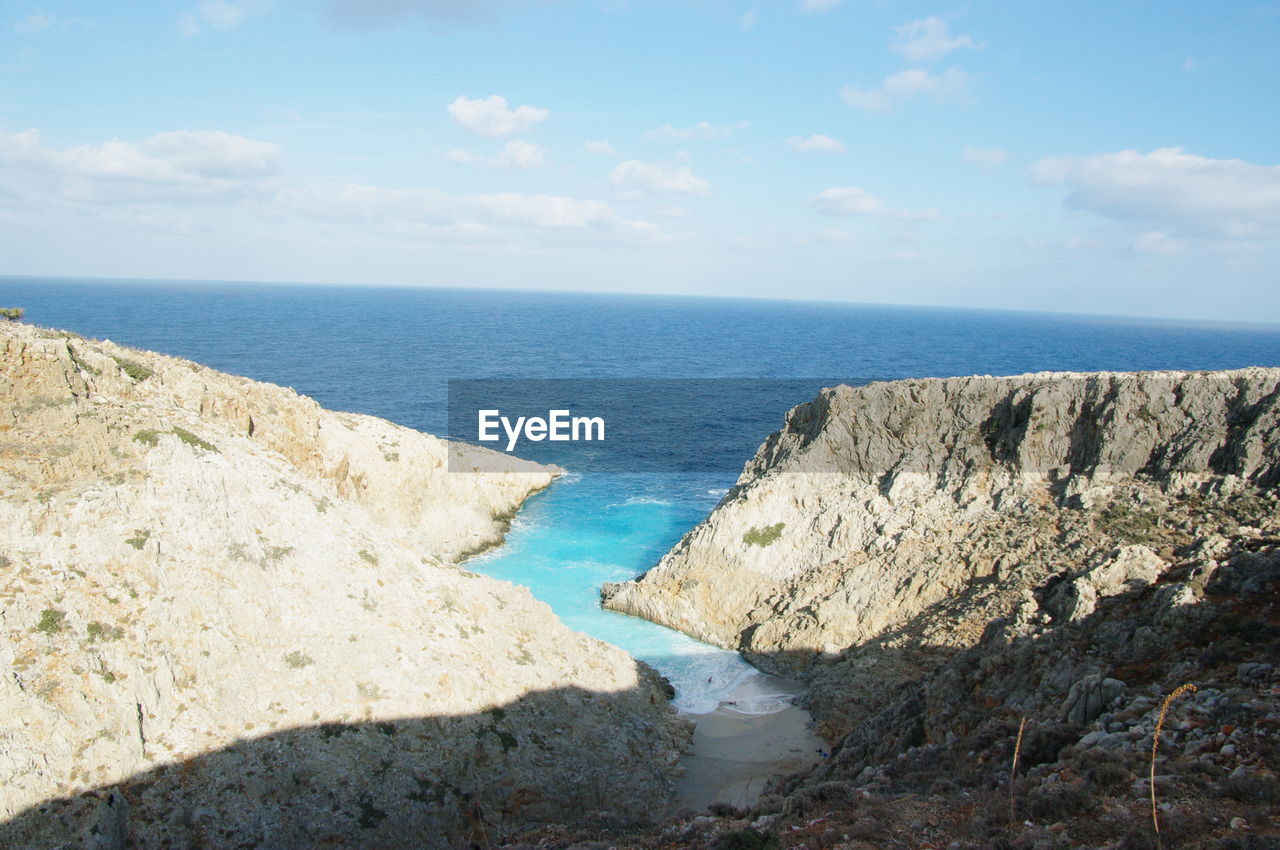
(590, 528)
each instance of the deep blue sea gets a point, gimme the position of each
(391, 352)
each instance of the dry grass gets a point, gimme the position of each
(1013, 768)
(1155, 747)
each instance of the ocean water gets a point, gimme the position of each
(391, 353)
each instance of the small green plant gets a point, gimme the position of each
(146, 437)
(139, 538)
(369, 557)
(296, 660)
(763, 536)
(275, 553)
(80, 364)
(134, 370)
(51, 621)
(11, 314)
(192, 440)
(96, 631)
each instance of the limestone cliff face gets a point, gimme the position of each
(233, 616)
(911, 513)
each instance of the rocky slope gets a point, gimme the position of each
(884, 526)
(993, 586)
(231, 619)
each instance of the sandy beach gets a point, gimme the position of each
(736, 748)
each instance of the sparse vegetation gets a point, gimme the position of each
(275, 553)
(369, 557)
(1129, 523)
(192, 440)
(80, 364)
(763, 536)
(146, 437)
(11, 314)
(139, 538)
(136, 371)
(51, 621)
(97, 631)
(296, 660)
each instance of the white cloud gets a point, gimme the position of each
(1188, 65)
(1155, 242)
(490, 116)
(633, 175)
(927, 39)
(701, 130)
(368, 13)
(34, 23)
(818, 5)
(816, 142)
(599, 147)
(748, 20)
(218, 14)
(984, 157)
(213, 153)
(400, 210)
(521, 154)
(183, 164)
(951, 85)
(462, 156)
(517, 154)
(1182, 192)
(852, 201)
(543, 210)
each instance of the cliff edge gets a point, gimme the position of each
(231, 618)
(884, 526)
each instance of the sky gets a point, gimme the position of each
(1089, 157)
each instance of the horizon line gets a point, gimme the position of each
(1237, 324)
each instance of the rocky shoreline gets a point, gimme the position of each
(232, 618)
(945, 562)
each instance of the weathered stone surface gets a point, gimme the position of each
(874, 503)
(234, 614)
(884, 526)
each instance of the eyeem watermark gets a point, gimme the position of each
(559, 426)
(653, 425)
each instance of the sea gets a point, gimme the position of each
(392, 352)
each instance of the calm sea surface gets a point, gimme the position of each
(390, 353)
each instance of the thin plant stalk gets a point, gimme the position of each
(1155, 746)
(1017, 748)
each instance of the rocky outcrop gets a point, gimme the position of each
(231, 618)
(902, 517)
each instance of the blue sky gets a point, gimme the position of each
(1100, 157)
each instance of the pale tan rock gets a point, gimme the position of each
(909, 514)
(238, 610)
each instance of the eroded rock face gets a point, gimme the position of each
(907, 515)
(232, 616)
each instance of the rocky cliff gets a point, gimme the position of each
(902, 517)
(231, 618)
(1001, 592)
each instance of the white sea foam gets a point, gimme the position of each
(631, 501)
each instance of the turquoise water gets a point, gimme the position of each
(589, 529)
(391, 352)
